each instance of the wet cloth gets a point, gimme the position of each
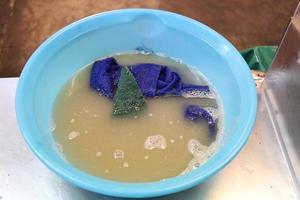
(104, 76)
(157, 80)
(196, 113)
(153, 79)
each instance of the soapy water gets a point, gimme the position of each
(200, 153)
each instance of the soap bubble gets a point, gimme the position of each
(73, 134)
(196, 148)
(119, 154)
(198, 94)
(155, 142)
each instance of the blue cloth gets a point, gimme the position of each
(153, 80)
(157, 80)
(195, 113)
(104, 76)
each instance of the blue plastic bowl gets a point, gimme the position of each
(80, 43)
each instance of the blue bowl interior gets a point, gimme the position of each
(82, 42)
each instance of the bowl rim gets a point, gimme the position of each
(147, 189)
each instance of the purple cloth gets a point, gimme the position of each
(146, 75)
(153, 80)
(195, 113)
(157, 80)
(105, 76)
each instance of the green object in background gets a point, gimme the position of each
(259, 57)
(128, 97)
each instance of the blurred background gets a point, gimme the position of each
(24, 24)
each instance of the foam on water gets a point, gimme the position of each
(196, 148)
(119, 154)
(73, 134)
(198, 94)
(201, 154)
(98, 154)
(125, 165)
(155, 142)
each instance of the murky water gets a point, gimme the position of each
(155, 144)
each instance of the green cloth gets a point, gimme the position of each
(128, 97)
(259, 57)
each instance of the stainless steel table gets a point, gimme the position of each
(261, 171)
